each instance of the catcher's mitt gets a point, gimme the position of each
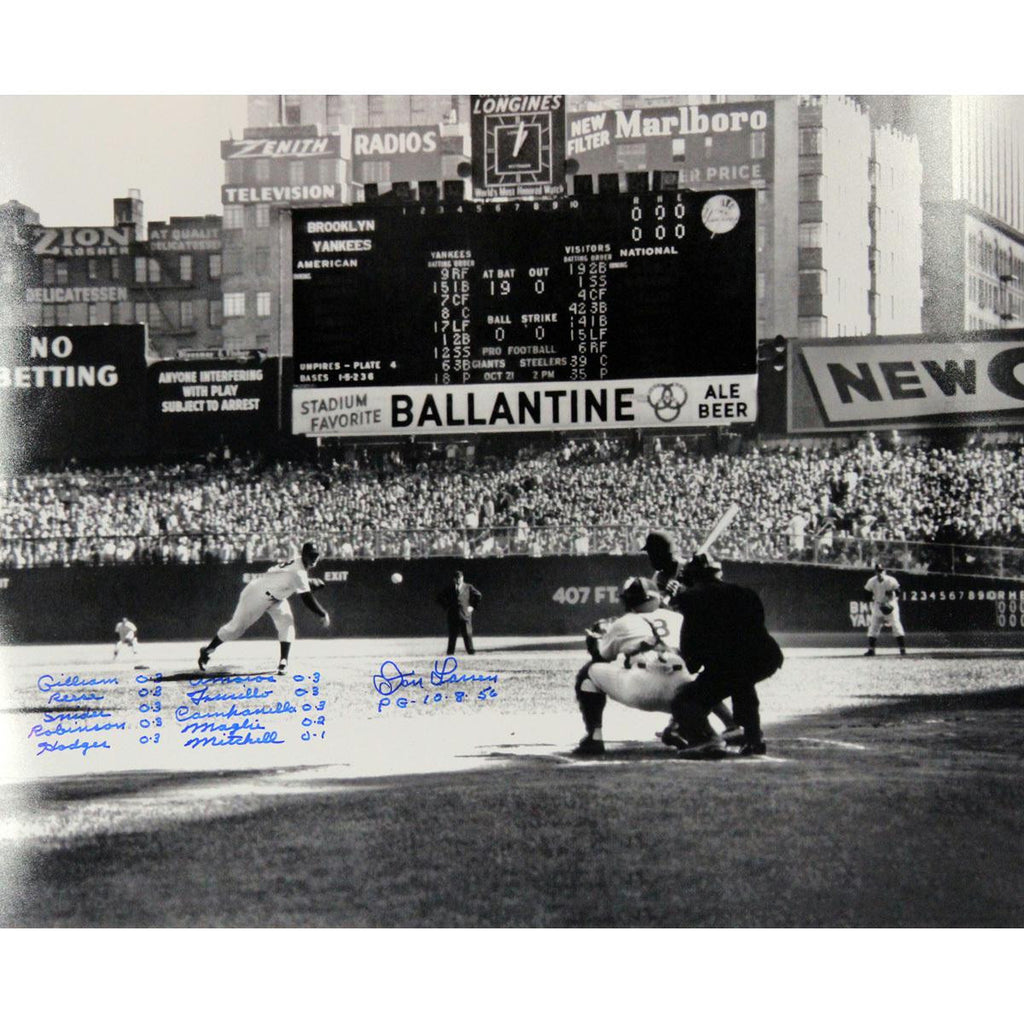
(592, 634)
(886, 608)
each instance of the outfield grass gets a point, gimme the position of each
(908, 812)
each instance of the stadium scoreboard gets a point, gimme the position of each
(437, 314)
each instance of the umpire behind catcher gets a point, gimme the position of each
(458, 600)
(725, 639)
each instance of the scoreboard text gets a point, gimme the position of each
(441, 317)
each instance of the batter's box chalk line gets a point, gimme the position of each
(826, 743)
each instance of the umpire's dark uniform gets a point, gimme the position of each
(723, 631)
(458, 600)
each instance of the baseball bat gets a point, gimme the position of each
(721, 525)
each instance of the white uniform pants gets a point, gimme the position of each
(647, 689)
(253, 602)
(879, 619)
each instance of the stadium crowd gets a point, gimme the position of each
(579, 496)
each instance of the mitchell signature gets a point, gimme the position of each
(390, 678)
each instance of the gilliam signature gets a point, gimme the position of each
(390, 678)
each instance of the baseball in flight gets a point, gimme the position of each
(396, 577)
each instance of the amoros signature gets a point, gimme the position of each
(390, 678)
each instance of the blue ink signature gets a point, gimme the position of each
(217, 727)
(63, 730)
(52, 747)
(202, 695)
(236, 739)
(47, 683)
(183, 713)
(447, 674)
(391, 678)
(74, 716)
(73, 698)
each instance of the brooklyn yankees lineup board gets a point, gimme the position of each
(585, 288)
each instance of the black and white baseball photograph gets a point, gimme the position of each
(493, 514)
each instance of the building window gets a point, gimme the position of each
(233, 262)
(215, 266)
(49, 315)
(93, 268)
(810, 141)
(94, 314)
(234, 217)
(234, 304)
(296, 173)
(375, 110)
(115, 268)
(810, 236)
(185, 267)
(376, 171)
(49, 271)
(216, 312)
(186, 317)
(263, 215)
(811, 188)
(292, 110)
(147, 270)
(329, 172)
(62, 273)
(263, 169)
(140, 313)
(263, 303)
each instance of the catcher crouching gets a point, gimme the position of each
(635, 661)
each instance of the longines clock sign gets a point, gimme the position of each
(518, 146)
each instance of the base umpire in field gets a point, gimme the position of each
(458, 600)
(724, 639)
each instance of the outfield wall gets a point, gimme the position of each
(522, 596)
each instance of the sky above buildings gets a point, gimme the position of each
(69, 157)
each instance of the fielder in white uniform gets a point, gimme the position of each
(268, 595)
(126, 634)
(636, 662)
(885, 609)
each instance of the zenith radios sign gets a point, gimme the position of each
(518, 146)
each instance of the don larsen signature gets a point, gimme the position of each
(390, 678)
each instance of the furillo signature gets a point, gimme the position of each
(390, 678)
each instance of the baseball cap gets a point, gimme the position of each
(638, 589)
(657, 539)
(700, 567)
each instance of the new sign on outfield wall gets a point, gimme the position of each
(907, 381)
(710, 145)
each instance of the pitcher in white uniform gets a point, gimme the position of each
(268, 595)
